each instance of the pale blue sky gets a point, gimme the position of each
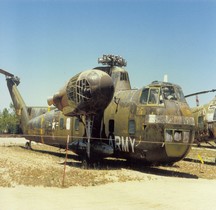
(45, 42)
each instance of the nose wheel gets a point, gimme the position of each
(86, 160)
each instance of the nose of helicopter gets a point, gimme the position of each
(178, 142)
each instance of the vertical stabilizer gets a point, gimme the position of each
(19, 104)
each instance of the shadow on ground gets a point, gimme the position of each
(114, 164)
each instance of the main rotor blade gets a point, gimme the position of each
(6, 73)
(198, 93)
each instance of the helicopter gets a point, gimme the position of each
(98, 115)
(205, 119)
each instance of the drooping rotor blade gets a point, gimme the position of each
(10, 77)
(201, 92)
(6, 73)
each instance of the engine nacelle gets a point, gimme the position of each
(86, 93)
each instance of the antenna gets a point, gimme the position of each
(165, 78)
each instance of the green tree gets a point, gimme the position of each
(8, 120)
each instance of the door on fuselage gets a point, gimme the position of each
(77, 129)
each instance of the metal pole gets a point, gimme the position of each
(65, 163)
(88, 131)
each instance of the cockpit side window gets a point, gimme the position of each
(180, 94)
(144, 96)
(153, 96)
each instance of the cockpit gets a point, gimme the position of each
(158, 93)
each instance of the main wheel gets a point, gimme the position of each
(28, 145)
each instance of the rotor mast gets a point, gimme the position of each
(112, 60)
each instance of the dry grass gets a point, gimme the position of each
(44, 166)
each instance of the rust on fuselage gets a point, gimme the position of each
(153, 123)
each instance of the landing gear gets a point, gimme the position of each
(89, 124)
(85, 163)
(28, 145)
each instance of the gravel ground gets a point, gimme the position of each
(44, 166)
(33, 179)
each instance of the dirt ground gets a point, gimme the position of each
(35, 179)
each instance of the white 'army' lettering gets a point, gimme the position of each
(122, 144)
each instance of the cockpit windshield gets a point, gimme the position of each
(150, 96)
(157, 95)
(169, 93)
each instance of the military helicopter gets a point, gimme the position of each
(205, 119)
(97, 115)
